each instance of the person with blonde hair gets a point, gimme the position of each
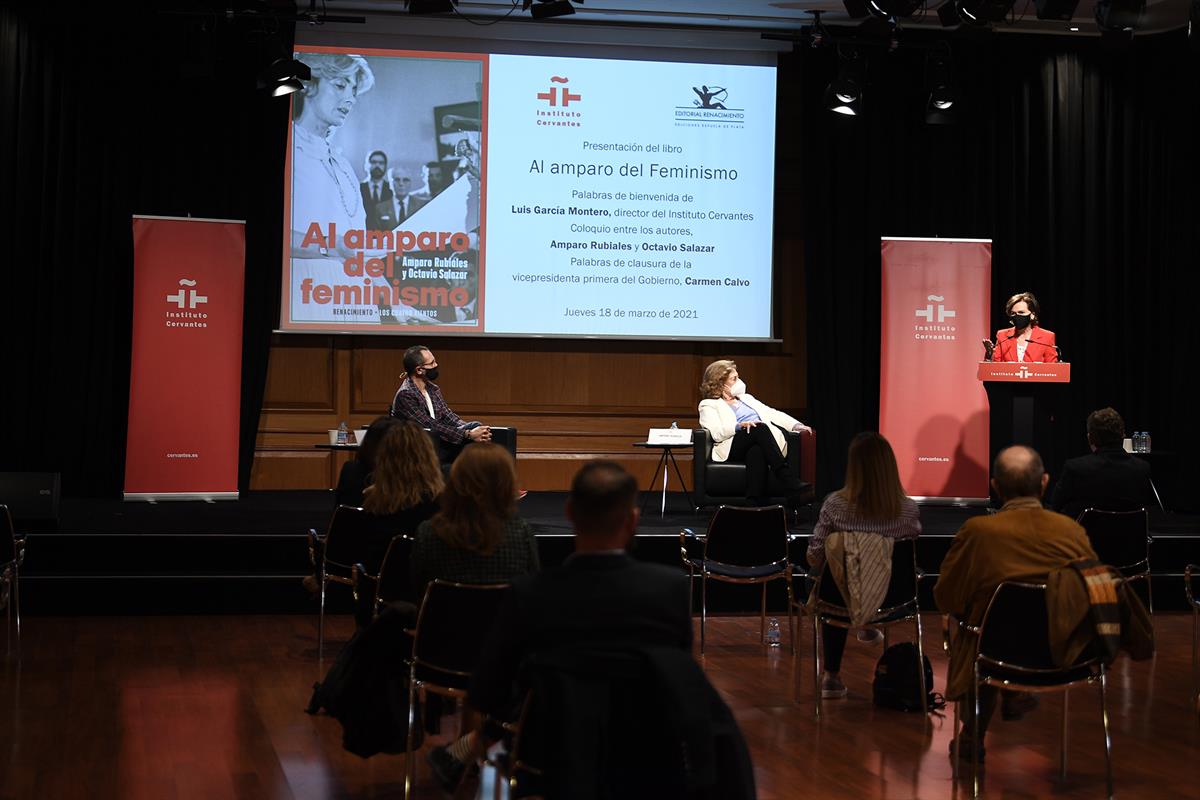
(747, 431)
(476, 538)
(872, 501)
(325, 187)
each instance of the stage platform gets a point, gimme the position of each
(248, 555)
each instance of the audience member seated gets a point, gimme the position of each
(744, 430)
(356, 473)
(1108, 478)
(1021, 541)
(476, 537)
(600, 599)
(419, 399)
(872, 502)
(406, 483)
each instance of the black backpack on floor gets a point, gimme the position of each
(366, 689)
(897, 682)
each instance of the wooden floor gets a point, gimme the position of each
(211, 707)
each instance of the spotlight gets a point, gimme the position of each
(983, 12)
(430, 6)
(941, 107)
(544, 9)
(1056, 9)
(844, 93)
(284, 76)
(893, 8)
(1119, 15)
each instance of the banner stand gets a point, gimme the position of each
(936, 297)
(185, 377)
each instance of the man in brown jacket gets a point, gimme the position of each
(1023, 541)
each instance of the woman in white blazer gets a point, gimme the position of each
(746, 430)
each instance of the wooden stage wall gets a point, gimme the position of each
(570, 400)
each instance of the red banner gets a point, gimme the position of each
(186, 373)
(932, 408)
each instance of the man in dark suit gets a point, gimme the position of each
(1108, 478)
(599, 601)
(376, 194)
(600, 596)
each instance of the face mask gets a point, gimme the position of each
(1020, 321)
(431, 374)
(738, 389)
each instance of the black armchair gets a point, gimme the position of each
(722, 483)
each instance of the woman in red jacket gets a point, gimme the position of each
(1025, 340)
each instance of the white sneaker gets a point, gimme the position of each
(832, 688)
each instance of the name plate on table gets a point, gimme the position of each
(669, 436)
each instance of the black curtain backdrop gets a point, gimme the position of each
(1078, 160)
(133, 111)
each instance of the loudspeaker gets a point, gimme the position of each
(31, 497)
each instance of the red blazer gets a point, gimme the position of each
(1039, 348)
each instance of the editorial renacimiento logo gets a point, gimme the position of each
(710, 108)
(186, 302)
(562, 109)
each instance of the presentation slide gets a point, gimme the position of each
(529, 196)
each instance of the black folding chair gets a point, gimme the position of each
(353, 540)
(900, 604)
(394, 582)
(12, 556)
(453, 621)
(1014, 653)
(1191, 577)
(1122, 539)
(743, 545)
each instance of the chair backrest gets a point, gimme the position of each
(1191, 577)
(395, 577)
(1016, 626)
(902, 587)
(1120, 538)
(451, 626)
(1016, 629)
(355, 537)
(747, 537)
(8, 535)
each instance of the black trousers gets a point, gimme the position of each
(756, 448)
(833, 638)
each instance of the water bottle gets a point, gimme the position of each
(1145, 441)
(773, 632)
(343, 436)
(1139, 442)
(674, 425)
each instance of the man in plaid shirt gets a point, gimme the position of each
(420, 400)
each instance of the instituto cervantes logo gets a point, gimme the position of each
(710, 107)
(563, 104)
(186, 302)
(936, 316)
(1023, 372)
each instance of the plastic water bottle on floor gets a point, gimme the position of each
(343, 434)
(773, 632)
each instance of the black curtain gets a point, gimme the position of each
(1078, 159)
(134, 111)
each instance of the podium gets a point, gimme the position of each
(1024, 398)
